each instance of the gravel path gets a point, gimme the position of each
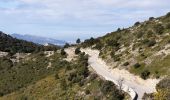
(133, 85)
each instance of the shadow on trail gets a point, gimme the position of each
(136, 97)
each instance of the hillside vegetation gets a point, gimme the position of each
(13, 45)
(143, 49)
(42, 77)
(46, 73)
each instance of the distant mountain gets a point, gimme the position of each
(13, 45)
(39, 40)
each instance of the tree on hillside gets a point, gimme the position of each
(137, 23)
(63, 52)
(168, 14)
(77, 51)
(78, 41)
(66, 45)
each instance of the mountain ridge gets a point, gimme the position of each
(38, 39)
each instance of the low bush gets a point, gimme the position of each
(168, 25)
(126, 64)
(148, 42)
(66, 45)
(137, 65)
(78, 41)
(113, 43)
(137, 23)
(139, 34)
(145, 74)
(151, 18)
(159, 29)
(98, 46)
(77, 51)
(63, 52)
(168, 14)
(107, 87)
(151, 43)
(87, 92)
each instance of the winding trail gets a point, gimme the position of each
(133, 85)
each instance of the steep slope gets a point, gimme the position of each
(45, 75)
(39, 40)
(13, 45)
(143, 49)
(32, 79)
(131, 84)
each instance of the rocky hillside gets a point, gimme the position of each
(143, 49)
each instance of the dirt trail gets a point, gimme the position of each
(131, 84)
(71, 54)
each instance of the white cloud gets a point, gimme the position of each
(80, 13)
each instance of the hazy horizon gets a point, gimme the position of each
(71, 19)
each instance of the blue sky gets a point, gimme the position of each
(70, 19)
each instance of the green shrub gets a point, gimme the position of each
(145, 41)
(148, 42)
(87, 92)
(107, 87)
(98, 46)
(78, 41)
(168, 25)
(145, 74)
(126, 64)
(137, 23)
(159, 29)
(140, 34)
(66, 45)
(77, 51)
(90, 42)
(137, 65)
(115, 57)
(151, 43)
(118, 30)
(72, 76)
(168, 14)
(151, 18)
(113, 43)
(63, 52)
(149, 33)
(56, 76)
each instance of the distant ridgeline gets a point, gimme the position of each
(13, 45)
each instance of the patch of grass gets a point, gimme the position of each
(139, 70)
(161, 66)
